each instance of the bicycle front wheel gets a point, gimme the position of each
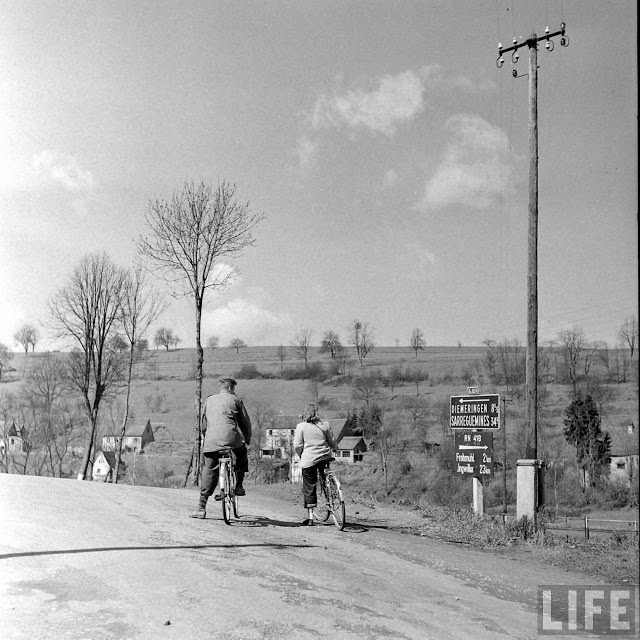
(336, 503)
(236, 510)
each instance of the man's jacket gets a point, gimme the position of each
(226, 422)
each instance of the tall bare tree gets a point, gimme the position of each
(417, 341)
(27, 336)
(330, 343)
(6, 357)
(301, 344)
(140, 307)
(237, 344)
(188, 237)
(88, 310)
(361, 338)
(573, 343)
(628, 333)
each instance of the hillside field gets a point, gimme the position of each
(163, 391)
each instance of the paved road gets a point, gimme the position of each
(88, 560)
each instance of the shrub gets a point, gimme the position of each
(248, 372)
(617, 493)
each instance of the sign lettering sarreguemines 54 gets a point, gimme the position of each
(475, 412)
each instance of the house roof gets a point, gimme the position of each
(110, 457)
(133, 431)
(350, 442)
(16, 431)
(624, 439)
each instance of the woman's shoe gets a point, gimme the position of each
(307, 523)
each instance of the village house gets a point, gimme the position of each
(624, 453)
(104, 466)
(135, 439)
(14, 441)
(351, 449)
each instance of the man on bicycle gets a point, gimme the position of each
(225, 424)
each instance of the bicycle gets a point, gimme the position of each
(331, 489)
(227, 483)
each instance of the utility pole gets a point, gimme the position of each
(504, 455)
(531, 374)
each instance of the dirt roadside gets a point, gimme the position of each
(102, 562)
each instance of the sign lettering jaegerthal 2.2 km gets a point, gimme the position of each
(475, 412)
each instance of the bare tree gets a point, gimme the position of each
(188, 237)
(237, 344)
(140, 306)
(629, 334)
(164, 338)
(213, 342)
(281, 352)
(361, 338)
(330, 343)
(88, 309)
(301, 343)
(27, 336)
(6, 357)
(366, 388)
(573, 343)
(417, 341)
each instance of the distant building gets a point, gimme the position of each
(104, 466)
(624, 453)
(15, 440)
(135, 439)
(351, 449)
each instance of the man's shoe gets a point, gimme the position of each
(308, 523)
(200, 512)
(217, 497)
(240, 491)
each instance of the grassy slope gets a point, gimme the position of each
(164, 393)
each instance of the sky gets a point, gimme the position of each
(386, 150)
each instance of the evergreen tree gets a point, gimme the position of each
(593, 446)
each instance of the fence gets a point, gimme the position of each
(590, 526)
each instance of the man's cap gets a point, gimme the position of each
(228, 381)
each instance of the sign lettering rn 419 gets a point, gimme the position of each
(475, 411)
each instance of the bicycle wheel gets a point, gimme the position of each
(236, 509)
(227, 497)
(322, 511)
(336, 503)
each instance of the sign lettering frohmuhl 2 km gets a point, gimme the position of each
(475, 412)
(474, 453)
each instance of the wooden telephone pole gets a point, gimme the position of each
(531, 374)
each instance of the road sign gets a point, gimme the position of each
(475, 412)
(474, 453)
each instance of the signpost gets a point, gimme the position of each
(474, 453)
(473, 419)
(480, 411)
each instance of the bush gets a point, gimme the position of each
(248, 372)
(617, 493)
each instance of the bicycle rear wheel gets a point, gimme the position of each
(236, 509)
(322, 511)
(336, 503)
(227, 498)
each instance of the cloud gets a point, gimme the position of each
(435, 79)
(241, 318)
(56, 168)
(306, 151)
(396, 99)
(475, 169)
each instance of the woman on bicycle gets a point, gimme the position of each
(314, 443)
